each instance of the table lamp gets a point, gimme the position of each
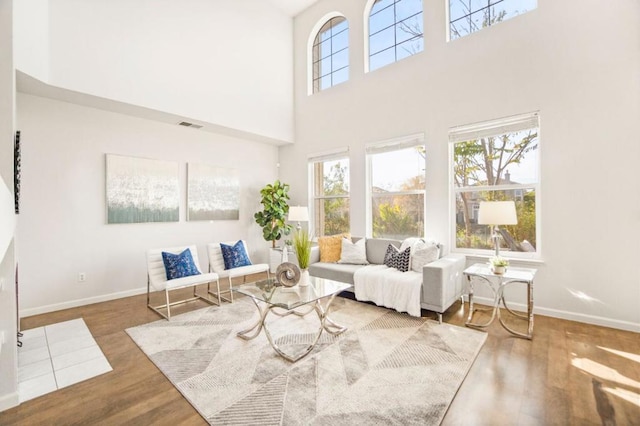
(298, 214)
(495, 213)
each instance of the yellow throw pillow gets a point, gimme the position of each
(331, 247)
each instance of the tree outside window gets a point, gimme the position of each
(500, 167)
(395, 31)
(331, 197)
(469, 16)
(397, 190)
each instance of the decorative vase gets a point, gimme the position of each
(285, 254)
(498, 270)
(304, 278)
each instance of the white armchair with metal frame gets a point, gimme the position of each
(216, 264)
(157, 278)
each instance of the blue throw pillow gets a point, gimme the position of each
(234, 256)
(179, 265)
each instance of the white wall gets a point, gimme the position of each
(577, 63)
(63, 228)
(8, 324)
(228, 63)
(31, 34)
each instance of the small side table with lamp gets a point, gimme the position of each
(495, 213)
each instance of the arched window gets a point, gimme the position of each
(330, 54)
(395, 31)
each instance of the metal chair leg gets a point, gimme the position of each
(166, 292)
(230, 290)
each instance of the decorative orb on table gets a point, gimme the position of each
(288, 274)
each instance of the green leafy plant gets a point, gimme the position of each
(272, 218)
(498, 261)
(302, 248)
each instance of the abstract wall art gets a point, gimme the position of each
(142, 190)
(213, 193)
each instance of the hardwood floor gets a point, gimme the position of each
(569, 374)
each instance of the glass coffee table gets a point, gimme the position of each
(271, 297)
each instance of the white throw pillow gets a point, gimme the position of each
(409, 242)
(422, 253)
(353, 253)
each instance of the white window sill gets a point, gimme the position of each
(484, 258)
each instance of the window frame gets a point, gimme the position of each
(489, 5)
(390, 145)
(312, 160)
(367, 35)
(314, 33)
(495, 128)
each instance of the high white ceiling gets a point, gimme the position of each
(293, 7)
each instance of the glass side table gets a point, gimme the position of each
(497, 284)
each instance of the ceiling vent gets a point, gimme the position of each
(187, 124)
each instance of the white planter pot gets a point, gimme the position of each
(499, 270)
(304, 278)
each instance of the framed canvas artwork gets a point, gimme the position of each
(142, 190)
(213, 193)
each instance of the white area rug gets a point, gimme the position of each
(388, 368)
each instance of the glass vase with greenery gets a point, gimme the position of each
(302, 248)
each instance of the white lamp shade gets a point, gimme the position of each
(298, 214)
(497, 213)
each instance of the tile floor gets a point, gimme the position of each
(58, 355)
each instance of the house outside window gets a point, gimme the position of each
(330, 54)
(469, 16)
(496, 161)
(329, 177)
(396, 186)
(395, 31)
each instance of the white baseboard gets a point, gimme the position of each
(572, 316)
(555, 313)
(80, 302)
(9, 400)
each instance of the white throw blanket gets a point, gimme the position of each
(389, 287)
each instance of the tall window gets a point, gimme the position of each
(497, 161)
(468, 16)
(395, 31)
(396, 180)
(330, 60)
(330, 193)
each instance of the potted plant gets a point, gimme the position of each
(498, 265)
(302, 249)
(273, 217)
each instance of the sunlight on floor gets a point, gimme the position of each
(625, 394)
(603, 372)
(629, 356)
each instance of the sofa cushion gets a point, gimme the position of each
(394, 258)
(422, 253)
(377, 247)
(353, 253)
(331, 247)
(334, 271)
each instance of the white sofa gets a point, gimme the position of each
(442, 282)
